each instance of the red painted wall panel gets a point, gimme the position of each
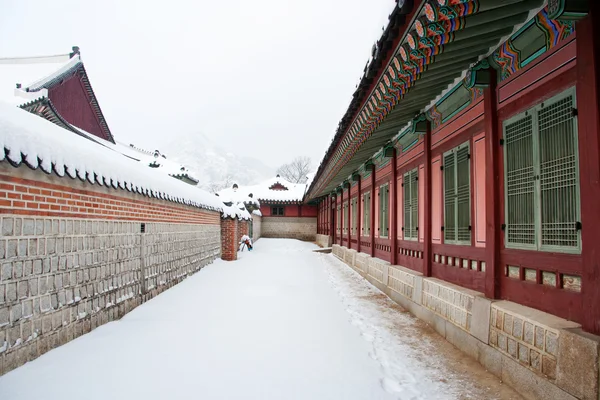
(308, 211)
(479, 190)
(436, 200)
(421, 198)
(71, 101)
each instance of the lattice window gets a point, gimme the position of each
(354, 204)
(338, 220)
(410, 193)
(345, 217)
(366, 225)
(384, 200)
(542, 177)
(457, 195)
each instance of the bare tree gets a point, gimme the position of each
(296, 170)
(215, 187)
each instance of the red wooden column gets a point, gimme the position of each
(331, 219)
(372, 205)
(394, 214)
(341, 217)
(493, 271)
(427, 200)
(358, 218)
(348, 221)
(588, 104)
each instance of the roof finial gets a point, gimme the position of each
(277, 176)
(75, 52)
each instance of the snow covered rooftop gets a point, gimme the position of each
(27, 138)
(272, 190)
(32, 74)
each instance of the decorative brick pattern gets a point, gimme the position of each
(63, 277)
(27, 197)
(532, 344)
(401, 282)
(362, 262)
(455, 305)
(229, 239)
(376, 269)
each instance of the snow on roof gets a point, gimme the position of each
(33, 74)
(236, 211)
(274, 189)
(27, 138)
(231, 195)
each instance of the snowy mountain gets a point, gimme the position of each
(212, 165)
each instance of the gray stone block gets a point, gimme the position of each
(4, 316)
(490, 358)
(28, 226)
(418, 289)
(462, 340)
(6, 272)
(22, 250)
(18, 225)
(16, 312)
(480, 319)
(7, 226)
(578, 364)
(530, 385)
(12, 248)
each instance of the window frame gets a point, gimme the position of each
(354, 215)
(454, 151)
(383, 213)
(366, 217)
(537, 202)
(277, 211)
(406, 183)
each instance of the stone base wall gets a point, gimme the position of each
(63, 277)
(323, 240)
(538, 354)
(256, 227)
(302, 228)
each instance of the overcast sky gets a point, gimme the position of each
(269, 78)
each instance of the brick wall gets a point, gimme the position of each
(229, 239)
(302, 228)
(243, 229)
(74, 256)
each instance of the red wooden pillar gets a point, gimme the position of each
(427, 201)
(358, 218)
(332, 218)
(588, 103)
(348, 221)
(372, 205)
(394, 214)
(341, 221)
(493, 271)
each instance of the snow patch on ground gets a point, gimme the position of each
(409, 365)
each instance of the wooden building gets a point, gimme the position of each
(56, 88)
(470, 152)
(284, 213)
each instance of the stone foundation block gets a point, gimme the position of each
(376, 270)
(578, 363)
(350, 257)
(530, 386)
(361, 262)
(480, 321)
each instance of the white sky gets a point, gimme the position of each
(269, 78)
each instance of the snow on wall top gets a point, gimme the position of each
(31, 73)
(27, 138)
(230, 195)
(266, 191)
(236, 211)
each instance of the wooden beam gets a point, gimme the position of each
(394, 214)
(422, 123)
(372, 205)
(494, 270)
(588, 103)
(358, 218)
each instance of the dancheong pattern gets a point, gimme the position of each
(434, 28)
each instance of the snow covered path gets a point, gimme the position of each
(280, 323)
